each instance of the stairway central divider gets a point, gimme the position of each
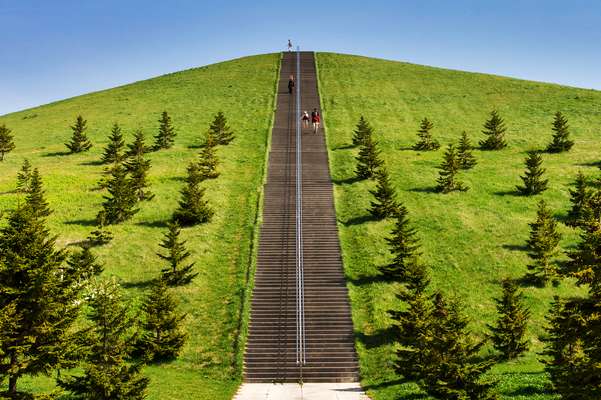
(300, 287)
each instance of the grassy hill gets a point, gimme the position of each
(209, 367)
(471, 240)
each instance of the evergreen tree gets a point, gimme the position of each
(119, 205)
(368, 160)
(113, 152)
(561, 135)
(449, 168)
(7, 143)
(533, 182)
(363, 129)
(106, 373)
(222, 133)
(176, 274)
(426, 142)
(35, 199)
(543, 245)
(99, 236)
(384, 204)
(404, 246)
(24, 177)
(138, 146)
(208, 161)
(510, 329)
(193, 208)
(579, 197)
(85, 262)
(494, 129)
(166, 136)
(464, 153)
(162, 337)
(40, 298)
(137, 167)
(79, 140)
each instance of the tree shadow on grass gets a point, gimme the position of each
(359, 220)
(377, 339)
(530, 280)
(529, 390)
(56, 154)
(369, 279)
(513, 193)
(344, 147)
(82, 222)
(515, 247)
(590, 164)
(347, 181)
(196, 146)
(138, 285)
(431, 189)
(153, 224)
(93, 163)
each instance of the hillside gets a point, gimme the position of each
(470, 240)
(209, 367)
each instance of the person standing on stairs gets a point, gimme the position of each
(291, 84)
(305, 119)
(289, 45)
(315, 119)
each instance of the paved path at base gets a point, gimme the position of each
(308, 391)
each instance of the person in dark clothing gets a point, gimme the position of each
(290, 84)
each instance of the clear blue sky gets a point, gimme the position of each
(53, 49)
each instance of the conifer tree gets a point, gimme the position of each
(79, 140)
(39, 296)
(100, 235)
(404, 246)
(120, 205)
(85, 262)
(176, 273)
(208, 161)
(35, 199)
(449, 168)
(7, 143)
(494, 129)
(138, 146)
(509, 331)
(533, 182)
(113, 152)
(543, 245)
(193, 208)
(221, 131)
(107, 375)
(561, 135)
(464, 153)
(579, 197)
(384, 204)
(363, 129)
(368, 160)
(162, 336)
(166, 136)
(426, 142)
(137, 167)
(24, 177)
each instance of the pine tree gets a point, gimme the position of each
(368, 160)
(24, 177)
(494, 129)
(404, 246)
(162, 337)
(464, 153)
(79, 140)
(7, 143)
(363, 129)
(426, 142)
(113, 152)
(208, 161)
(99, 236)
(533, 182)
(106, 373)
(561, 135)
(35, 199)
(222, 133)
(579, 197)
(510, 329)
(384, 204)
(193, 208)
(137, 167)
(40, 297)
(119, 205)
(176, 274)
(85, 262)
(449, 168)
(138, 146)
(166, 136)
(543, 245)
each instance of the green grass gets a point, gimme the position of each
(209, 366)
(471, 240)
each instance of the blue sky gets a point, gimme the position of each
(50, 50)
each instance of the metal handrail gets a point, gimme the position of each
(300, 274)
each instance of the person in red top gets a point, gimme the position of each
(315, 119)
